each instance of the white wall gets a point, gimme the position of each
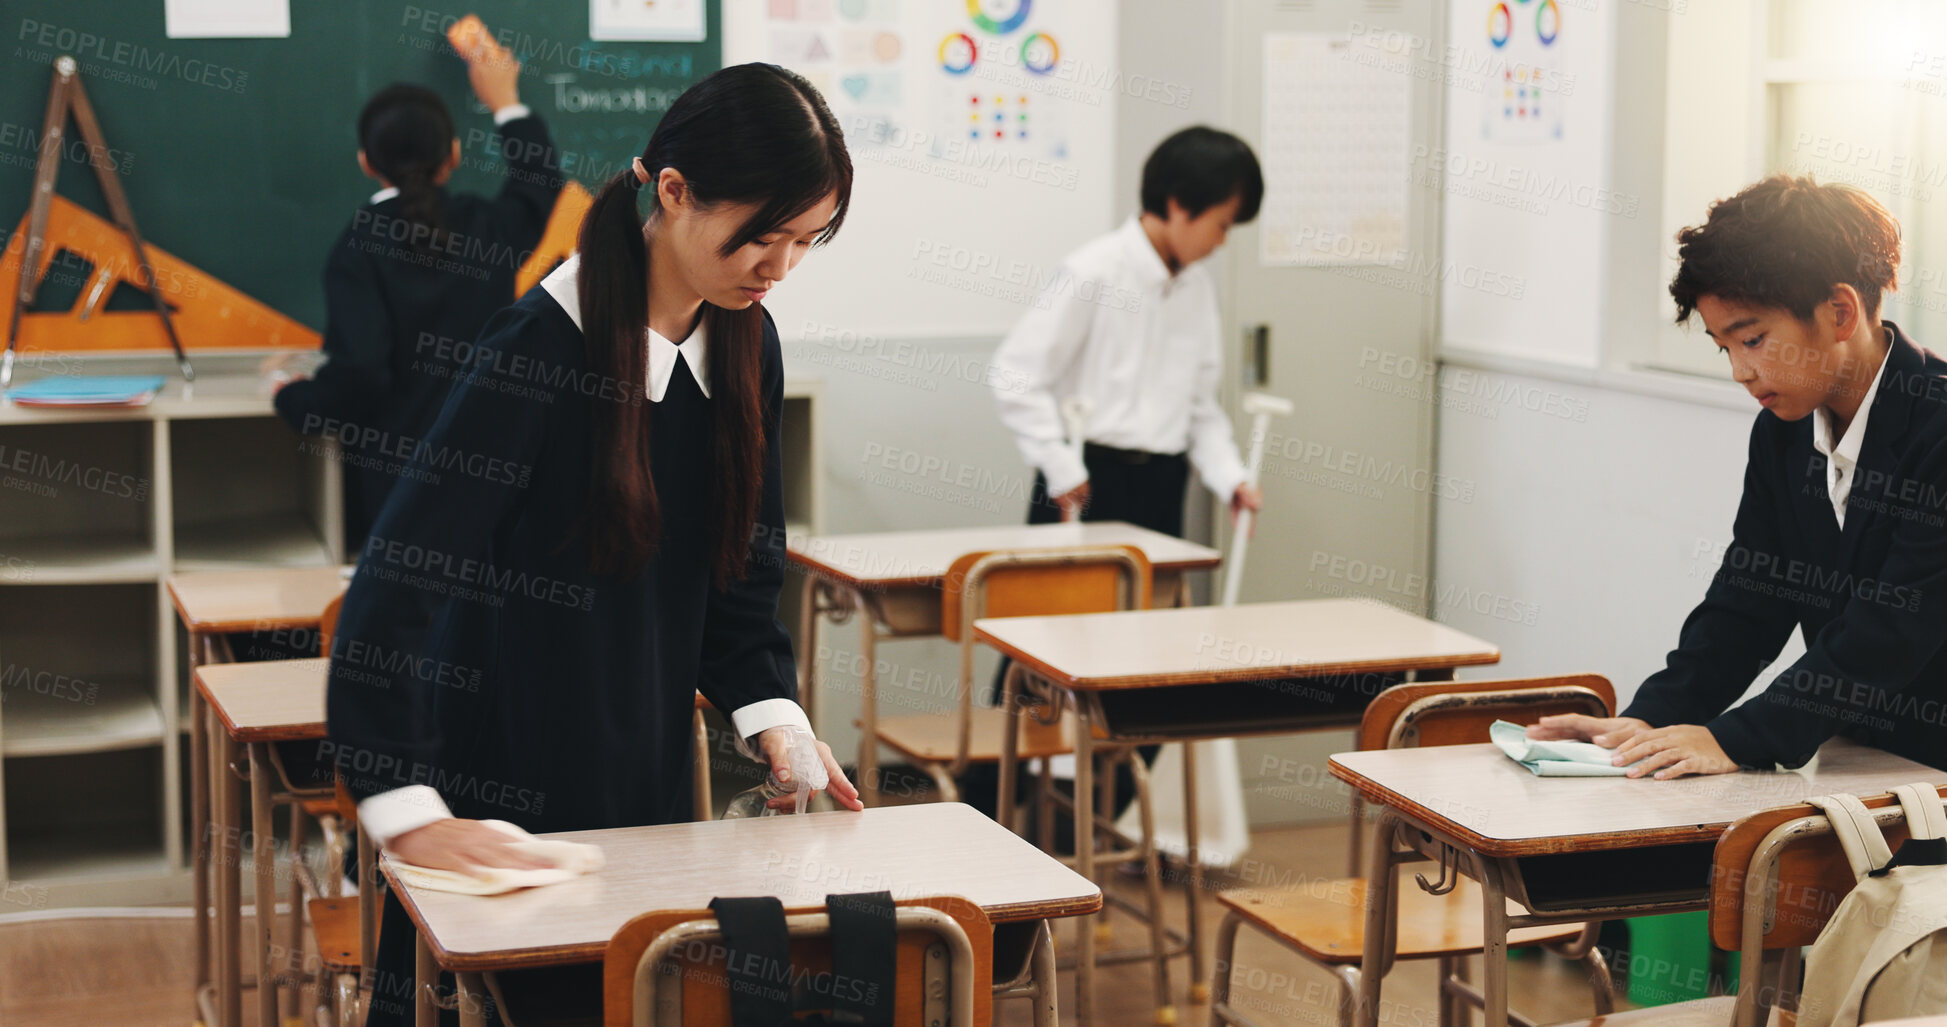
(1591, 535)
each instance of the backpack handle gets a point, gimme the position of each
(1858, 832)
(1925, 818)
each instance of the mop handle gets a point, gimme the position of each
(1074, 413)
(1262, 406)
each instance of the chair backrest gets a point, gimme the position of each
(656, 974)
(1776, 877)
(1424, 713)
(328, 624)
(1038, 582)
(1812, 874)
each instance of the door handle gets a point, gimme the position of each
(1257, 357)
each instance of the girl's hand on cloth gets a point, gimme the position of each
(465, 846)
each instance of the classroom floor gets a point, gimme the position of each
(134, 972)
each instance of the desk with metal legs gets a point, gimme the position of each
(1197, 673)
(1479, 813)
(891, 582)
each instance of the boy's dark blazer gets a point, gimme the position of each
(1871, 600)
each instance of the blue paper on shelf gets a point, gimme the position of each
(88, 390)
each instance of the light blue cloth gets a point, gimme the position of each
(1553, 759)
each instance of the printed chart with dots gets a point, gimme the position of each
(1523, 94)
(997, 74)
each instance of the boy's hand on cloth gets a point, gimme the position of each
(1674, 751)
(1608, 732)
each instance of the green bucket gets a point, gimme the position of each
(1669, 958)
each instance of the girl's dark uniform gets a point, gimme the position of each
(398, 316)
(1870, 601)
(478, 654)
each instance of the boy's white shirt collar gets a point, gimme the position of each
(663, 354)
(384, 194)
(1843, 457)
(1146, 262)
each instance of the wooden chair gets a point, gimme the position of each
(1030, 583)
(1010, 583)
(1789, 851)
(1324, 922)
(656, 974)
(345, 930)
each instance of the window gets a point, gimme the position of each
(1851, 91)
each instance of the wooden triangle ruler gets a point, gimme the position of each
(189, 302)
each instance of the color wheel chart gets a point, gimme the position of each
(984, 128)
(999, 81)
(1523, 101)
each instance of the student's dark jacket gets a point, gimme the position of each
(1871, 601)
(401, 318)
(477, 652)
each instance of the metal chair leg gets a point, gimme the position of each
(1220, 970)
(1153, 884)
(293, 961)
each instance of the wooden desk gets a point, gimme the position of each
(893, 580)
(932, 849)
(249, 706)
(211, 605)
(1222, 672)
(216, 603)
(1491, 818)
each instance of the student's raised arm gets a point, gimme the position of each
(1037, 354)
(533, 170)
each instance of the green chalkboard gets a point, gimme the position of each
(240, 155)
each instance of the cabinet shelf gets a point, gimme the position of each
(90, 559)
(70, 716)
(258, 540)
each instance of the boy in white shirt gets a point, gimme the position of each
(1131, 327)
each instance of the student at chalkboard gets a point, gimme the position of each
(1841, 533)
(528, 626)
(414, 277)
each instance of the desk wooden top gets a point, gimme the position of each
(1499, 808)
(256, 600)
(930, 849)
(1200, 645)
(271, 701)
(905, 558)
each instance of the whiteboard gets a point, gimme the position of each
(981, 138)
(1528, 203)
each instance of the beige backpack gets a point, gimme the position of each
(1883, 955)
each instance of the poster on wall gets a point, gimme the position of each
(226, 19)
(1528, 199)
(981, 133)
(1525, 95)
(979, 74)
(1335, 154)
(678, 21)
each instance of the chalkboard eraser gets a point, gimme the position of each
(467, 35)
